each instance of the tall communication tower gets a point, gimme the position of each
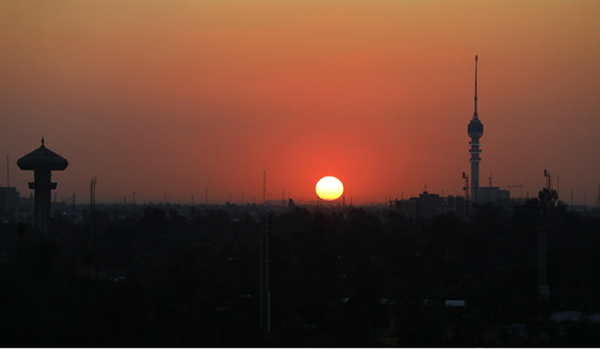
(475, 130)
(265, 294)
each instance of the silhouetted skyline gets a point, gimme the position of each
(164, 98)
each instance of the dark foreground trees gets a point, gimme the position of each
(189, 277)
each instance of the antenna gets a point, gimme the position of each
(93, 194)
(466, 188)
(548, 179)
(475, 116)
(571, 197)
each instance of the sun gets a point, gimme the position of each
(329, 188)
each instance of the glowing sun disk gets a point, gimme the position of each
(329, 188)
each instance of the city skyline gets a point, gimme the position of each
(165, 98)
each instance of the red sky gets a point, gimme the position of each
(160, 97)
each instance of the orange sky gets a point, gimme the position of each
(160, 97)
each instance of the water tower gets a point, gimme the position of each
(42, 161)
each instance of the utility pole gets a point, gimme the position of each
(93, 194)
(265, 293)
(548, 179)
(543, 289)
(89, 254)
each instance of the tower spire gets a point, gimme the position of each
(475, 116)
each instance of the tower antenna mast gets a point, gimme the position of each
(475, 116)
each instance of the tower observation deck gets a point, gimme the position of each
(475, 130)
(42, 161)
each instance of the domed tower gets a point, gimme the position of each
(475, 130)
(42, 161)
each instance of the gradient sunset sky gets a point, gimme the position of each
(159, 97)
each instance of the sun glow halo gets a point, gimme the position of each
(329, 188)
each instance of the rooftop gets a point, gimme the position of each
(42, 159)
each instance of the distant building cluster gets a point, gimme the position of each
(9, 201)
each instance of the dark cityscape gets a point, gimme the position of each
(299, 174)
(428, 271)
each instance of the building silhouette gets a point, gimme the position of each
(42, 161)
(9, 201)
